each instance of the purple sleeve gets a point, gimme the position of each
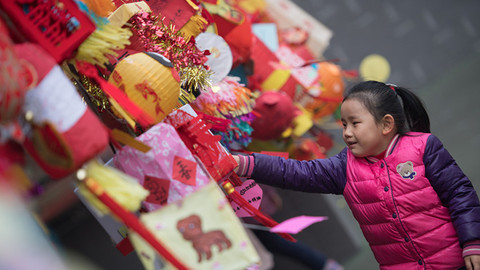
(318, 176)
(454, 189)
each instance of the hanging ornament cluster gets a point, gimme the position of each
(152, 70)
(230, 100)
(154, 36)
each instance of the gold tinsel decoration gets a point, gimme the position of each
(184, 98)
(97, 95)
(195, 78)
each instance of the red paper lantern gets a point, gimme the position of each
(276, 113)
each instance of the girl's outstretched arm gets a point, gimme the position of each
(319, 176)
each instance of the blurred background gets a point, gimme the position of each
(431, 47)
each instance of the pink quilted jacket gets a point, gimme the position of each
(399, 226)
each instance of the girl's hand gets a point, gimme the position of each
(472, 262)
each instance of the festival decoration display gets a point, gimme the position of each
(287, 15)
(65, 133)
(228, 106)
(169, 170)
(275, 112)
(105, 41)
(269, 74)
(201, 142)
(101, 7)
(58, 26)
(231, 24)
(153, 70)
(324, 99)
(151, 34)
(150, 81)
(120, 204)
(220, 58)
(16, 76)
(155, 36)
(206, 237)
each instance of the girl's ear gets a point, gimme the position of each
(388, 123)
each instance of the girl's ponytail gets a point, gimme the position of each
(416, 117)
(381, 99)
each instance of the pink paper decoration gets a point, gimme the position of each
(296, 224)
(252, 193)
(168, 160)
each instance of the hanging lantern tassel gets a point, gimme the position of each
(194, 26)
(124, 189)
(128, 218)
(104, 41)
(259, 216)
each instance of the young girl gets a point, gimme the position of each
(415, 206)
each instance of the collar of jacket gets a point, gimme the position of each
(389, 151)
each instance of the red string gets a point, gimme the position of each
(257, 214)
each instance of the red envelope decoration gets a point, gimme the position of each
(252, 193)
(201, 142)
(159, 190)
(184, 170)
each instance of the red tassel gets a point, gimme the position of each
(259, 216)
(217, 124)
(131, 221)
(236, 181)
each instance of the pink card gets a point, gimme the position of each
(169, 159)
(296, 224)
(252, 193)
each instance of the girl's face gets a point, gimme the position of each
(362, 134)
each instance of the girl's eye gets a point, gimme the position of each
(355, 123)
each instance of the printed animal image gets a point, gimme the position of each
(191, 229)
(406, 170)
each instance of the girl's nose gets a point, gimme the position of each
(347, 132)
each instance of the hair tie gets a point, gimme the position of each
(392, 86)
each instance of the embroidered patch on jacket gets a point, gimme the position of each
(406, 170)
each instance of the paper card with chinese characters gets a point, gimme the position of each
(202, 231)
(169, 170)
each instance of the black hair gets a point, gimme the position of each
(380, 99)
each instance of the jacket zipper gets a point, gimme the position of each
(398, 215)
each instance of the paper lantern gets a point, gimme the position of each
(64, 133)
(324, 100)
(150, 81)
(276, 113)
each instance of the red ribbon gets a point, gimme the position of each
(89, 70)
